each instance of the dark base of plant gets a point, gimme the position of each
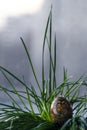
(27, 121)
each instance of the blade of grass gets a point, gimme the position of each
(75, 93)
(43, 49)
(15, 77)
(12, 99)
(15, 91)
(29, 101)
(29, 58)
(54, 72)
(50, 50)
(72, 87)
(38, 100)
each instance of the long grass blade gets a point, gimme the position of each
(54, 72)
(43, 49)
(29, 58)
(15, 77)
(15, 91)
(29, 101)
(50, 53)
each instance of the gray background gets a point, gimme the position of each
(70, 25)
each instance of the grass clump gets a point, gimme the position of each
(23, 115)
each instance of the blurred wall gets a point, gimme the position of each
(70, 25)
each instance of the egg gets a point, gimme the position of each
(60, 110)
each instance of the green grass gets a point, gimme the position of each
(21, 114)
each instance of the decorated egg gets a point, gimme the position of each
(60, 110)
